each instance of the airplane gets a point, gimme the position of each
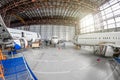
(29, 36)
(103, 43)
(54, 40)
(16, 39)
(11, 41)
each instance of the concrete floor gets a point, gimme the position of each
(67, 64)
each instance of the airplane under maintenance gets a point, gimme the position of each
(16, 39)
(14, 68)
(103, 43)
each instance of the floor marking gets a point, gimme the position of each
(86, 67)
(53, 60)
(107, 78)
(63, 72)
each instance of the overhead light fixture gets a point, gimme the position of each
(33, 0)
(0, 5)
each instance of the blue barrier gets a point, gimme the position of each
(17, 69)
(117, 59)
(17, 47)
(35, 78)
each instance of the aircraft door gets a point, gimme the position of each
(22, 34)
(24, 43)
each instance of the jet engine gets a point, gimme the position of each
(16, 44)
(105, 50)
(20, 44)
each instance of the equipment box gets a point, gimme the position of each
(35, 45)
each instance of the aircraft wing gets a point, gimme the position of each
(115, 46)
(4, 34)
(111, 44)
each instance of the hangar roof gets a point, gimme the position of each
(58, 12)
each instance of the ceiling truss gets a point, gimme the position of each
(61, 12)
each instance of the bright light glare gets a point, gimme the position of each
(87, 24)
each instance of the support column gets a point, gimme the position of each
(77, 28)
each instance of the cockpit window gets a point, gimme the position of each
(54, 37)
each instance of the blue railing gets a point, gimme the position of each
(17, 69)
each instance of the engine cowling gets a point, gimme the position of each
(109, 51)
(20, 44)
(104, 50)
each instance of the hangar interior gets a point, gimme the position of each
(66, 19)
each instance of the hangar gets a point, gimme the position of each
(59, 39)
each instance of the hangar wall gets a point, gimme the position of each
(47, 31)
(107, 19)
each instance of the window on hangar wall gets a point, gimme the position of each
(107, 18)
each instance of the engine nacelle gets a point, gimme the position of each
(104, 50)
(20, 44)
(109, 51)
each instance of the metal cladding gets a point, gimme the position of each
(60, 12)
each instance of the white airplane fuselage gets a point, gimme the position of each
(98, 38)
(16, 39)
(109, 39)
(29, 36)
